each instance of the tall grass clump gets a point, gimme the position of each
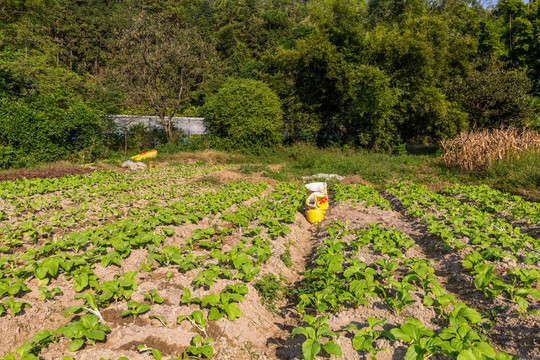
(480, 150)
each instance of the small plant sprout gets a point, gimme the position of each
(316, 332)
(49, 295)
(86, 331)
(153, 297)
(91, 307)
(145, 349)
(196, 319)
(14, 307)
(201, 347)
(160, 319)
(135, 309)
(168, 277)
(364, 338)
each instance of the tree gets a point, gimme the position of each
(246, 115)
(368, 118)
(493, 95)
(161, 64)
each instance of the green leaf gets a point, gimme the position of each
(73, 310)
(96, 335)
(157, 354)
(41, 272)
(215, 314)
(299, 330)
(332, 348)
(360, 343)
(212, 300)
(198, 316)
(207, 350)
(232, 311)
(415, 352)
(310, 349)
(42, 335)
(76, 345)
(143, 308)
(470, 354)
(522, 303)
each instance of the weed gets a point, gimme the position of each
(271, 290)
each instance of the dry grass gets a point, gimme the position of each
(211, 157)
(478, 150)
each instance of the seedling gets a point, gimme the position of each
(14, 307)
(316, 332)
(135, 309)
(160, 319)
(86, 331)
(196, 319)
(145, 349)
(364, 338)
(201, 347)
(49, 295)
(90, 305)
(153, 297)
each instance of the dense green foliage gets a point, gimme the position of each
(245, 114)
(46, 128)
(372, 74)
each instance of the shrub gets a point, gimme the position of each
(478, 151)
(245, 115)
(48, 127)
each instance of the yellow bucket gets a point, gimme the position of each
(315, 216)
(316, 205)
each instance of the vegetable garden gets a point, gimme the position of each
(184, 262)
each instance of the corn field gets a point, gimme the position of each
(478, 150)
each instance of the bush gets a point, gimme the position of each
(245, 115)
(47, 128)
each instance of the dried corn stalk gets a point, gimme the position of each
(478, 150)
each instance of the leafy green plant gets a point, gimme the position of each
(135, 309)
(200, 347)
(422, 341)
(90, 305)
(315, 333)
(86, 331)
(153, 297)
(270, 290)
(222, 304)
(402, 298)
(196, 319)
(145, 349)
(119, 288)
(23, 352)
(364, 338)
(49, 295)
(14, 307)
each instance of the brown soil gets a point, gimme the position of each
(261, 333)
(53, 172)
(210, 157)
(353, 179)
